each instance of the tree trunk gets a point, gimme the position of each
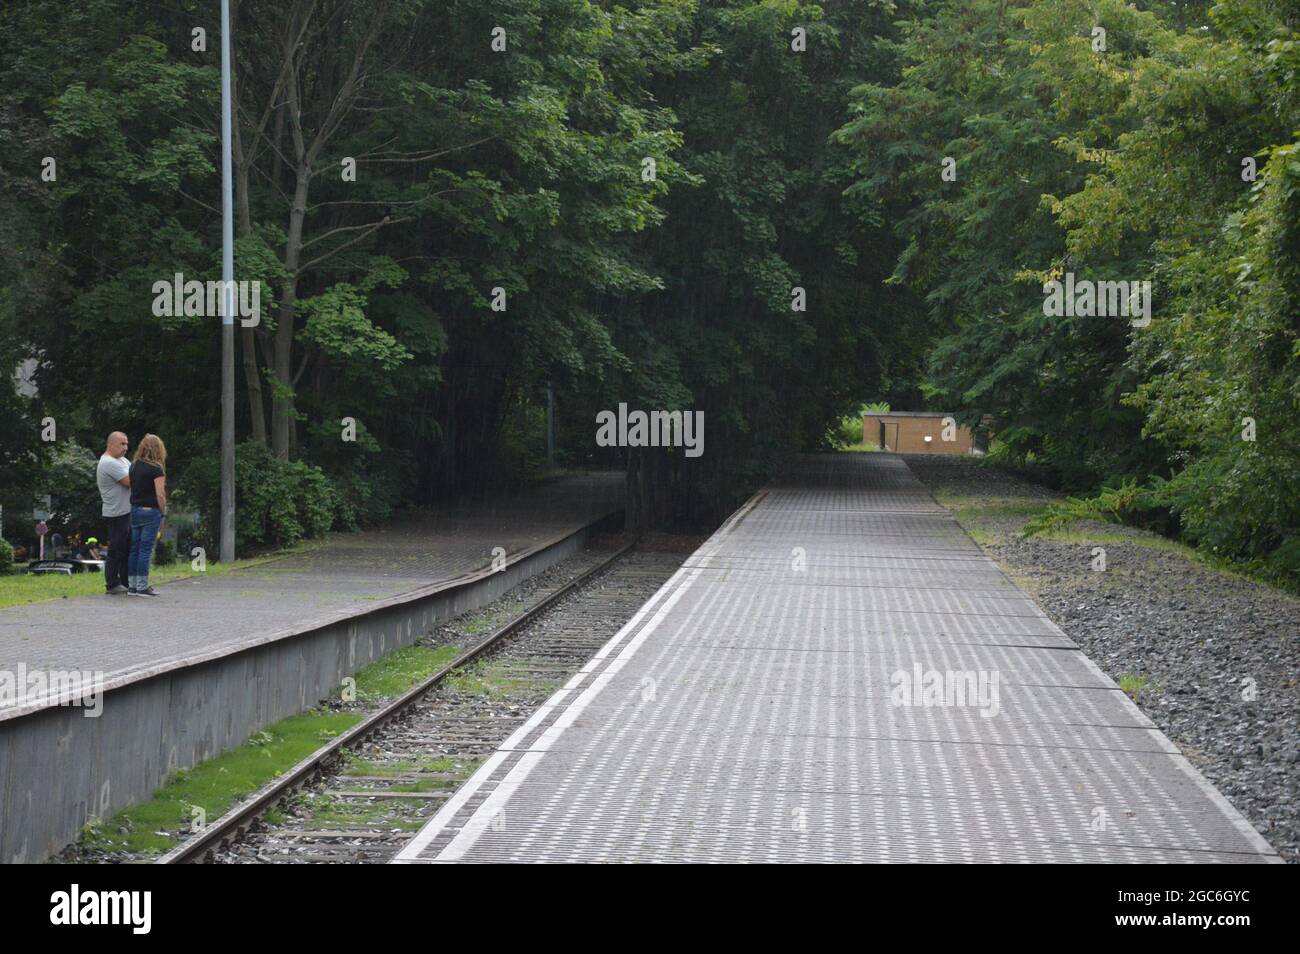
(282, 411)
(253, 382)
(282, 368)
(247, 336)
(650, 478)
(247, 344)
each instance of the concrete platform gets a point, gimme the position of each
(195, 671)
(755, 710)
(200, 618)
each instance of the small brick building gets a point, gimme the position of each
(917, 432)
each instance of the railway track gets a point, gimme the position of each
(360, 798)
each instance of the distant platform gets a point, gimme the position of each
(772, 703)
(204, 617)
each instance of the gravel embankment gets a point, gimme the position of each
(1220, 655)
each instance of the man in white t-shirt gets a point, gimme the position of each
(112, 475)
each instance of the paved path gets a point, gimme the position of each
(754, 710)
(202, 617)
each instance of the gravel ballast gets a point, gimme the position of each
(1213, 659)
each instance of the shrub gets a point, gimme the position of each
(362, 499)
(521, 452)
(70, 481)
(164, 554)
(315, 498)
(1152, 506)
(6, 557)
(848, 432)
(279, 503)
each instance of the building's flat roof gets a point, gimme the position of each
(907, 414)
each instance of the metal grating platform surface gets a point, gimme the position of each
(754, 711)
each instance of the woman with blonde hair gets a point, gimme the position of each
(148, 507)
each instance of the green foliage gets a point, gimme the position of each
(979, 248)
(475, 170)
(164, 553)
(523, 439)
(1127, 503)
(6, 557)
(667, 284)
(362, 500)
(847, 433)
(758, 213)
(1122, 164)
(1133, 684)
(648, 182)
(74, 494)
(278, 503)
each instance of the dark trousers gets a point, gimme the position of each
(119, 551)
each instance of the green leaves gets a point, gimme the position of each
(623, 204)
(1122, 163)
(337, 323)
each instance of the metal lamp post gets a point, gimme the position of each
(228, 302)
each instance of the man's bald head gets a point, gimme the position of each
(116, 444)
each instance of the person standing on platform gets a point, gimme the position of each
(112, 476)
(148, 508)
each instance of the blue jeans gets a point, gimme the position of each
(144, 533)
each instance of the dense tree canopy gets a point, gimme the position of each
(765, 210)
(1113, 141)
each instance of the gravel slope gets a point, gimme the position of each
(1220, 655)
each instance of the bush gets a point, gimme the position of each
(279, 503)
(74, 495)
(1128, 503)
(849, 432)
(315, 498)
(164, 554)
(6, 557)
(364, 499)
(521, 452)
